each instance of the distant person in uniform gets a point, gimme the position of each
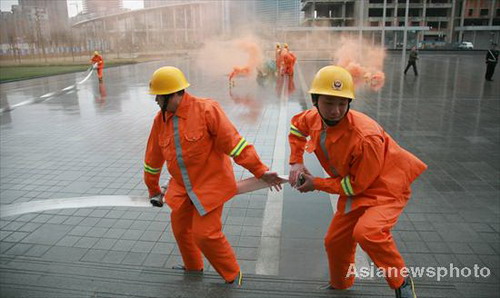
(100, 64)
(491, 61)
(286, 70)
(412, 60)
(369, 171)
(277, 57)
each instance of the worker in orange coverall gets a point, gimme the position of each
(277, 57)
(195, 138)
(367, 168)
(100, 64)
(243, 71)
(287, 63)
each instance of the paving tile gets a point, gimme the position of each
(134, 258)
(94, 255)
(114, 257)
(64, 254)
(123, 245)
(104, 243)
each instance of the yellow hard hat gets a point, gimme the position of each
(334, 81)
(278, 45)
(285, 45)
(96, 53)
(167, 80)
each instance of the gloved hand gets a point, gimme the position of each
(157, 200)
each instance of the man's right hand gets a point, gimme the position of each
(156, 200)
(295, 170)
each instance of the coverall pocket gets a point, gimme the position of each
(195, 142)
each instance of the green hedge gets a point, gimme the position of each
(23, 72)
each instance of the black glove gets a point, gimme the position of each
(301, 180)
(157, 200)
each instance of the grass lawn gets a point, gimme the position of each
(22, 72)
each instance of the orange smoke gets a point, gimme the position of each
(241, 56)
(363, 60)
(254, 59)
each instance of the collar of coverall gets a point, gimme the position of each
(183, 108)
(337, 131)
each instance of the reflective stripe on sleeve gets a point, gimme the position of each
(182, 166)
(239, 148)
(151, 170)
(346, 186)
(295, 131)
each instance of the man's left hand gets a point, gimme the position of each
(273, 180)
(308, 184)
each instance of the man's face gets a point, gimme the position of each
(173, 101)
(332, 108)
(160, 100)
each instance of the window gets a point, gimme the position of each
(484, 12)
(414, 12)
(374, 24)
(437, 12)
(471, 12)
(375, 12)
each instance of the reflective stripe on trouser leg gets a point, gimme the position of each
(182, 166)
(341, 248)
(207, 233)
(181, 221)
(373, 233)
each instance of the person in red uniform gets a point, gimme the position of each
(196, 140)
(100, 64)
(286, 70)
(367, 168)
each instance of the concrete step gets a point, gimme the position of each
(33, 277)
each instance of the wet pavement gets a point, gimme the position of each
(89, 141)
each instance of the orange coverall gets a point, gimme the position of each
(372, 174)
(277, 55)
(287, 62)
(196, 143)
(100, 64)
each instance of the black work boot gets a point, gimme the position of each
(407, 289)
(237, 282)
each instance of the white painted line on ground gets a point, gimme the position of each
(47, 95)
(76, 202)
(361, 256)
(269, 250)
